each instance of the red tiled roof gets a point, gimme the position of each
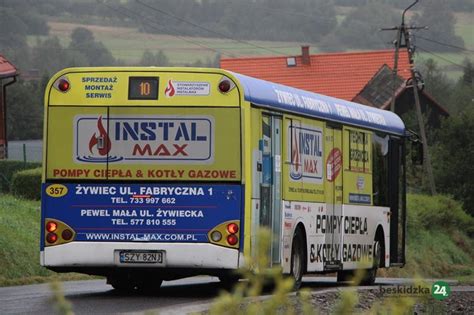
(6, 68)
(342, 75)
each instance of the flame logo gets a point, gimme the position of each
(295, 153)
(105, 145)
(170, 91)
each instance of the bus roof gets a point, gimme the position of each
(281, 97)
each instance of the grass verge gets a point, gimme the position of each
(19, 244)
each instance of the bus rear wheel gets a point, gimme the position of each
(297, 259)
(371, 274)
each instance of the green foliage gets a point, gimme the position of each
(158, 59)
(27, 184)
(453, 158)
(258, 274)
(96, 54)
(437, 213)
(303, 20)
(63, 306)
(25, 110)
(437, 241)
(9, 168)
(360, 29)
(437, 15)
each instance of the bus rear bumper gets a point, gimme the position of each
(176, 255)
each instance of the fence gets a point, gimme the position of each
(27, 150)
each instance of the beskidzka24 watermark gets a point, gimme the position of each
(440, 290)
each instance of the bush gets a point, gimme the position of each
(27, 184)
(438, 213)
(8, 168)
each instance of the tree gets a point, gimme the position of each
(25, 110)
(48, 56)
(149, 59)
(462, 94)
(13, 38)
(453, 158)
(437, 84)
(96, 54)
(361, 29)
(438, 16)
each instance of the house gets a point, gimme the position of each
(363, 77)
(8, 75)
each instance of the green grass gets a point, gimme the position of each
(19, 244)
(128, 44)
(438, 244)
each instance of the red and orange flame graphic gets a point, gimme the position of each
(295, 153)
(170, 91)
(105, 147)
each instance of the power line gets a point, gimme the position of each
(444, 44)
(206, 29)
(154, 27)
(440, 57)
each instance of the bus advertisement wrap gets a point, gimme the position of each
(141, 212)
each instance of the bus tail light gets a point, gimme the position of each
(232, 239)
(232, 228)
(225, 234)
(51, 238)
(51, 226)
(225, 85)
(57, 232)
(62, 84)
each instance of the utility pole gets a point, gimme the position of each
(403, 41)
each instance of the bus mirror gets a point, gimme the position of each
(417, 152)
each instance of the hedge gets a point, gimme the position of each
(8, 168)
(27, 184)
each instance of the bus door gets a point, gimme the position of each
(270, 182)
(334, 173)
(397, 202)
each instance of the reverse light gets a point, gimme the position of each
(232, 239)
(216, 236)
(51, 238)
(232, 228)
(51, 226)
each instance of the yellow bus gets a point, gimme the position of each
(153, 174)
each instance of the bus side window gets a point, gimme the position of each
(380, 146)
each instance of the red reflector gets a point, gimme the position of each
(232, 228)
(224, 86)
(51, 238)
(63, 85)
(51, 226)
(66, 234)
(232, 239)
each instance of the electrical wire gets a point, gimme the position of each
(136, 15)
(440, 57)
(206, 29)
(444, 44)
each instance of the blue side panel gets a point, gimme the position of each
(281, 97)
(144, 212)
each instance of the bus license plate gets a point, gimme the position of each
(141, 257)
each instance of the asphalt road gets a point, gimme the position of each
(96, 297)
